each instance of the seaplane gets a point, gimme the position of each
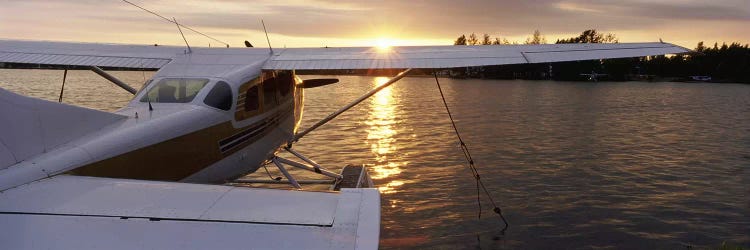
(153, 174)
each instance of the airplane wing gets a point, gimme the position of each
(77, 212)
(155, 57)
(432, 57)
(87, 54)
(122, 56)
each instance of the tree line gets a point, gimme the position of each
(722, 62)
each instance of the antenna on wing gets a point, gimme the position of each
(183, 35)
(268, 40)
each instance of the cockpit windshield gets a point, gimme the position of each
(175, 90)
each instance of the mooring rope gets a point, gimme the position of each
(472, 167)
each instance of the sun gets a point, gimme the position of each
(384, 44)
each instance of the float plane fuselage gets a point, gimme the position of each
(203, 126)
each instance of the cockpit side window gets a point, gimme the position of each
(175, 90)
(285, 82)
(252, 102)
(220, 96)
(269, 93)
(248, 100)
(263, 93)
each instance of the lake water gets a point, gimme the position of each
(628, 165)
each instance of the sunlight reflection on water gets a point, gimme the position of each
(380, 136)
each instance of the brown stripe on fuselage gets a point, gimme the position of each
(177, 158)
(253, 133)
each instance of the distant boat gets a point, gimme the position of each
(700, 78)
(594, 77)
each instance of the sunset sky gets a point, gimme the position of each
(316, 23)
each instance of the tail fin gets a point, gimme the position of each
(31, 126)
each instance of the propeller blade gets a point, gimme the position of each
(312, 83)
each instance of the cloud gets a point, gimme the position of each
(328, 19)
(685, 10)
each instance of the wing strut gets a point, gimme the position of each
(62, 89)
(347, 107)
(113, 79)
(286, 173)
